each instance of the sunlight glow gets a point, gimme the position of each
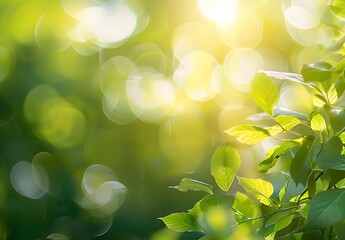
(220, 11)
(240, 66)
(29, 180)
(199, 76)
(151, 95)
(106, 24)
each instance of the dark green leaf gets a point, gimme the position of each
(180, 222)
(315, 235)
(339, 230)
(326, 208)
(311, 185)
(301, 164)
(265, 93)
(330, 157)
(224, 164)
(286, 232)
(194, 185)
(271, 161)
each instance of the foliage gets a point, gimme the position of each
(313, 146)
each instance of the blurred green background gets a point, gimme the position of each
(106, 103)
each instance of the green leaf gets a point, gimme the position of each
(180, 222)
(215, 201)
(216, 213)
(332, 94)
(337, 119)
(326, 208)
(301, 164)
(224, 164)
(246, 208)
(315, 235)
(339, 230)
(285, 232)
(271, 160)
(316, 72)
(287, 122)
(291, 77)
(318, 123)
(338, 8)
(311, 185)
(260, 188)
(265, 93)
(283, 191)
(330, 157)
(283, 222)
(248, 134)
(187, 184)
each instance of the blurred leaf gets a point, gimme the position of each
(194, 185)
(216, 200)
(165, 234)
(315, 235)
(180, 222)
(326, 208)
(261, 188)
(339, 229)
(248, 134)
(264, 92)
(246, 207)
(338, 8)
(224, 164)
(301, 164)
(271, 161)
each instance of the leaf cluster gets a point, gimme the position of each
(313, 145)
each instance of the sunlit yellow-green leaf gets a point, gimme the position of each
(287, 122)
(273, 155)
(265, 93)
(224, 164)
(180, 222)
(187, 184)
(248, 134)
(260, 188)
(338, 8)
(332, 94)
(318, 123)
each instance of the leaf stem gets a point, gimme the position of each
(262, 216)
(305, 190)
